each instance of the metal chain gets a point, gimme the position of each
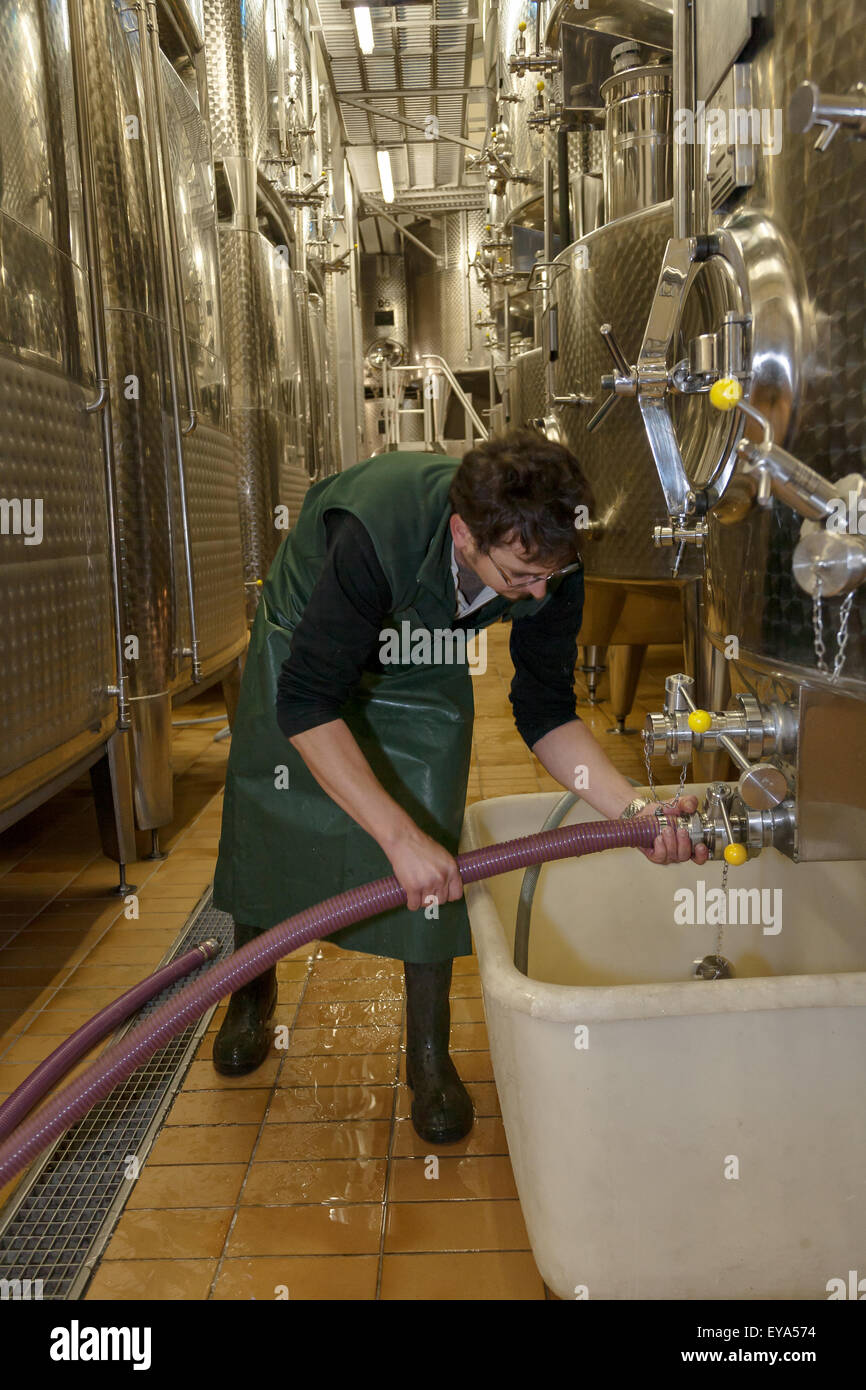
(665, 805)
(725, 898)
(841, 635)
(818, 627)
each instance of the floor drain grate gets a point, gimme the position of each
(58, 1222)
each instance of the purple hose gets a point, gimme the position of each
(64, 1057)
(120, 1061)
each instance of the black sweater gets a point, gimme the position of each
(339, 635)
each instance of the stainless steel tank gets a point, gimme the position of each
(610, 278)
(144, 441)
(527, 388)
(515, 98)
(272, 464)
(638, 139)
(510, 100)
(208, 450)
(385, 326)
(445, 299)
(173, 456)
(384, 304)
(612, 74)
(761, 299)
(57, 659)
(800, 226)
(786, 264)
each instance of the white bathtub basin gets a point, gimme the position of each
(626, 1138)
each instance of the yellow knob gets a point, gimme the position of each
(522, 26)
(726, 393)
(736, 854)
(539, 86)
(699, 721)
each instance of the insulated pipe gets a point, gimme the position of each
(120, 1061)
(64, 1057)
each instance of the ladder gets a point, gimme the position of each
(437, 382)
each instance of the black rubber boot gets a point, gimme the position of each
(244, 1040)
(441, 1107)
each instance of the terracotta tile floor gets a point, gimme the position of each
(306, 1179)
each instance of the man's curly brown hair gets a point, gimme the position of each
(522, 487)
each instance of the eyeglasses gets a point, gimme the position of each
(526, 581)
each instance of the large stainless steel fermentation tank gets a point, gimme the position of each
(581, 159)
(761, 298)
(164, 359)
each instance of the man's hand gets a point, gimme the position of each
(674, 846)
(425, 870)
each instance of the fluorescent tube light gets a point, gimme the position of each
(386, 177)
(364, 28)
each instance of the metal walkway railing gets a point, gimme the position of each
(437, 382)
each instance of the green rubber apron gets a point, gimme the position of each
(285, 845)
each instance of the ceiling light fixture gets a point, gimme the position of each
(386, 177)
(364, 28)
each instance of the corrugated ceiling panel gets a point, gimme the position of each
(448, 163)
(365, 171)
(347, 74)
(417, 39)
(415, 69)
(400, 168)
(451, 68)
(426, 56)
(357, 127)
(388, 132)
(381, 72)
(423, 157)
(417, 108)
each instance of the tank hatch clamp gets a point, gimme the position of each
(651, 380)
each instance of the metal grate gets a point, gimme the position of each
(58, 1221)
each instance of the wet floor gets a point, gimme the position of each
(304, 1180)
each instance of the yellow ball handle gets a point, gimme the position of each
(700, 721)
(522, 26)
(736, 855)
(726, 393)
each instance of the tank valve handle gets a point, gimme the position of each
(684, 726)
(735, 854)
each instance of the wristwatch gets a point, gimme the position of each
(634, 807)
